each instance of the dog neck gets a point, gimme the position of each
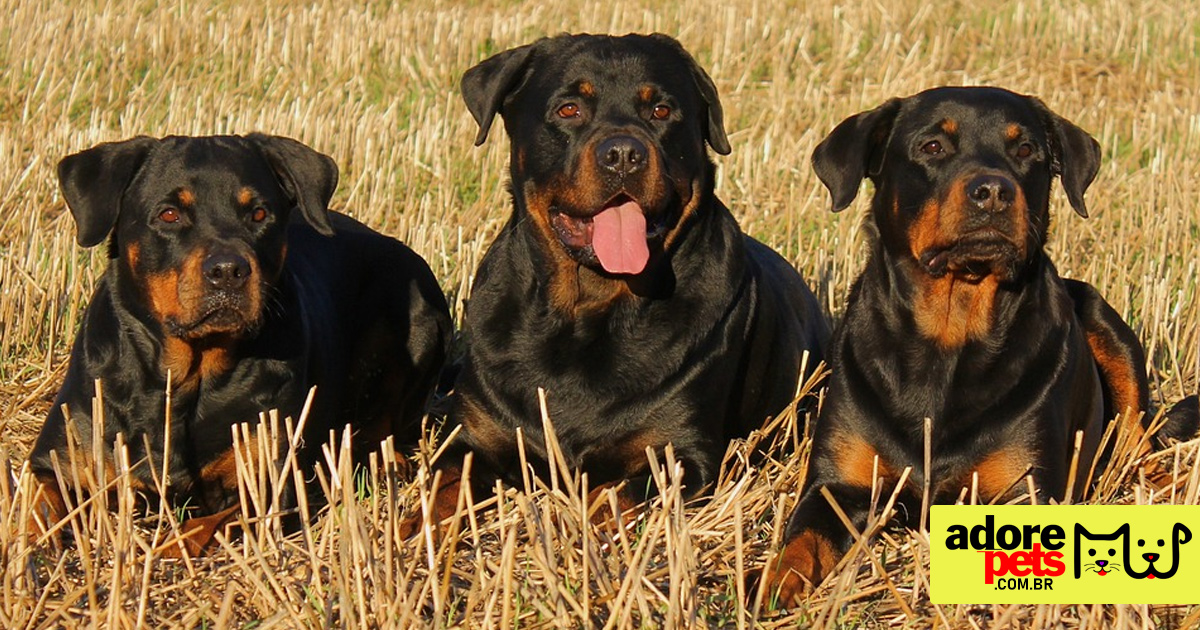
(955, 309)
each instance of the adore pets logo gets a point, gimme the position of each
(1064, 554)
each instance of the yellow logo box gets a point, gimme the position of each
(1064, 554)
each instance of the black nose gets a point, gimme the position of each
(226, 271)
(1102, 563)
(991, 193)
(623, 155)
(1150, 557)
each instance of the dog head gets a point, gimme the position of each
(962, 176)
(608, 141)
(198, 225)
(1159, 554)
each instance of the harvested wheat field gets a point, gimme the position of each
(374, 85)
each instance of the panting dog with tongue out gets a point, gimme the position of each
(621, 285)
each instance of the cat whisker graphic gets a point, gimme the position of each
(1102, 567)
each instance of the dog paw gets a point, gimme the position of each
(795, 573)
(600, 511)
(198, 536)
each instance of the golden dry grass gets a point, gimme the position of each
(375, 86)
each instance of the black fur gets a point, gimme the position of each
(700, 347)
(227, 268)
(960, 317)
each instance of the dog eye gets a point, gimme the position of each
(259, 215)
(1025, 150)
(1112, 552)
(933, 147)
(169, 215)
(568, 110)
(661, 112)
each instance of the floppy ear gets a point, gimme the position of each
(487, 84)
(714, 132)
(1182, 533)
(93, 182)
(308, 177)
(853, 150)
(1074, 156)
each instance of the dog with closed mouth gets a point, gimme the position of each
(959, 316)
(230, 284)
(621, 284)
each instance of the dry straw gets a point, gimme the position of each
(374, 85)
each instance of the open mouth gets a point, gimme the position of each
(617, 236)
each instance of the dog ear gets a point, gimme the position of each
(488, 83)
(853, 150)
(1074, 156)
(1182, 534)
(309, 178)
(93, 182)
(714, 132)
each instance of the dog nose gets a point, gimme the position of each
(1150, 557)
(1102, 563)
(991, 193)
(623, 155)
(226, 271)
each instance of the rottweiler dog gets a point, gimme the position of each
(959, 316)
(621, 284)
(231, 284)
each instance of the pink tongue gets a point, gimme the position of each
(619, 238)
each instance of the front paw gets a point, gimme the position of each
(198, 536)
(443, 504)
(409, 527)
(600, 511)
(799, 568)
(44, 519)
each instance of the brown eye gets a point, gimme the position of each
(1025, 150)
(259, 215)
(933, 147)
(169, 215)
(569, 110)
(661, 112)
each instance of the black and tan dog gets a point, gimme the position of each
(959, 316)
(228, 273)
(621, 284)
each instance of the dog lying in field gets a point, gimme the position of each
(959, 316)
(229, 278)
(621, 284)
